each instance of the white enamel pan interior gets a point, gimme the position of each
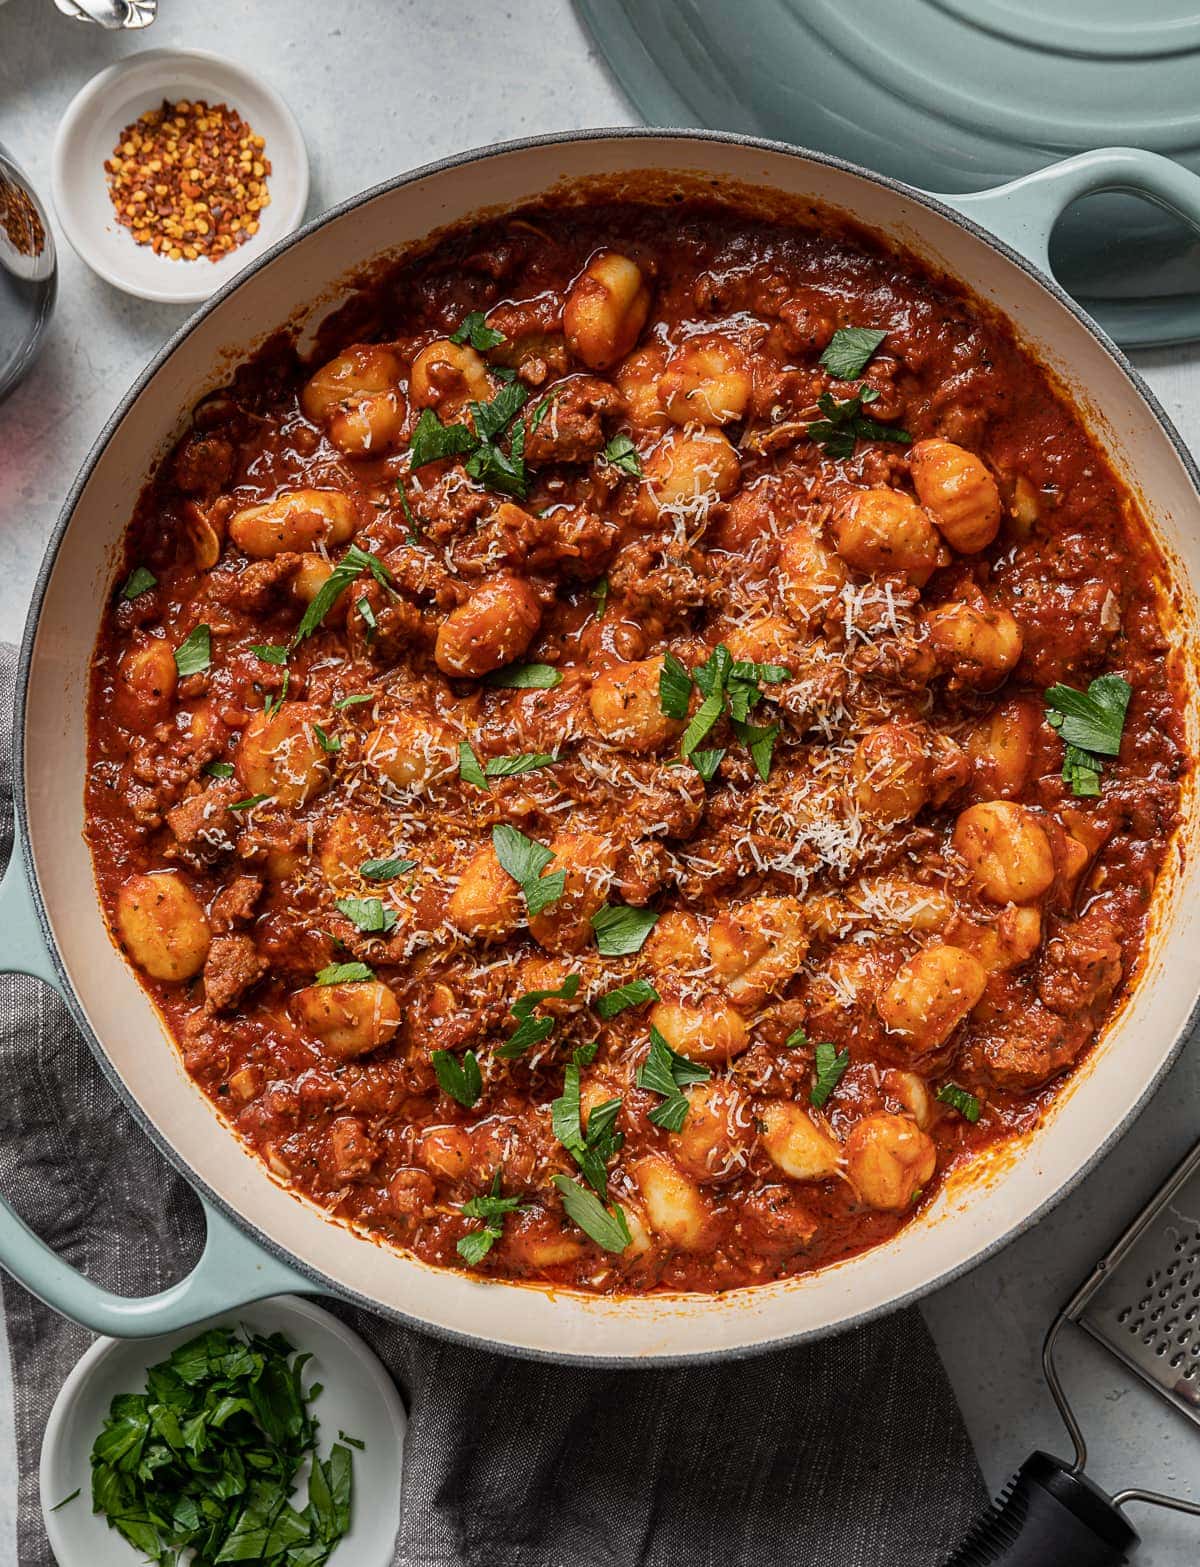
(277, 1239)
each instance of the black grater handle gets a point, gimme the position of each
(1048, 1516)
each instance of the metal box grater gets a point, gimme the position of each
(1142, 1302)
(1147, 1309)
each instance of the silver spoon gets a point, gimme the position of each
(112, 15)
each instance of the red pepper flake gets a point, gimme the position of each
(189, 179)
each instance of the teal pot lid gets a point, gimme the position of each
(949, 95)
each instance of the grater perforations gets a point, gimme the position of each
(1147, 1307)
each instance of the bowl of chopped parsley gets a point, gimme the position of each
(253, 1440)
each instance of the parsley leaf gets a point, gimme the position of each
(471, 772)
(345, 974)
(532, 1030)
(760, 742)
(666, 1072)
(201, 1463)
(353, 701)
(469, 769)
(634, 993)
(844, 425)
(432, 441)
(829, 1064)
(414, 527)
(525, 860)
(194, 653)
(385, 870)
(621, 930)
(621, 453)
(329, 743)
(492, 419)
(606, 1226)
(850, 351)
(249, 802)
(218, 769)
(270, 652)
(959, 1099)
(796, 1039)
(475, 330)
(462, 1080)
(493, 1210)
(592, 1149)
(352, 565)
(703, 721)
(1090, 724)
(139, 581)
(368, 914)
(600, 594)
(524, 677)
(674, 688)
(707, 762)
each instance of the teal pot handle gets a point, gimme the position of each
(1023, 214)
(233, 1270)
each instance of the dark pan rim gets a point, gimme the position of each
(651, 136)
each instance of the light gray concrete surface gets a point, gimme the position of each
(381, 85)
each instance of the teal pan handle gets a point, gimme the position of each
(232, 1271)
(1023, 214)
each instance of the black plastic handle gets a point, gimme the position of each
(1048, 1517)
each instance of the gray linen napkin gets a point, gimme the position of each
(846, 1453)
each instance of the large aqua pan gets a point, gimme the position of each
(262, 1238)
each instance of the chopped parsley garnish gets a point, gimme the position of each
(674, 688)
(218, 769)
(666, 1072)
(274, 703)
(525, 860)
(470, 771)
(728, 686)
(593, 1148)
(475, 330)
(367, 616)
(606, 1226)
(194, 653)
(487, 461)
(634, 993)
(353, 701)
(329, 743)
(345, 974)
(414, 527)
(351, 566)
(829, 1064)
(249, 802)
(493, 1210)
(845, 424)
(385, 870)
(202, 1462)
(621, 930)
(368, 914)
(600, 594)
(524, 677)
(67, 1499)
(432, 441)
(851, 350)
(139, 581)
(796, 1040)
(959, 1099)
(621, 453)
(531, 1030)
(1090, 724)
(462, 1080)
(270, 652)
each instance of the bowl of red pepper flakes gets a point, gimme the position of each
(172, 170)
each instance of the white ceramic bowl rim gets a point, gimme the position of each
(651, 136)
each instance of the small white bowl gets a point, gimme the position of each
(358, 1397)
(89, 132)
